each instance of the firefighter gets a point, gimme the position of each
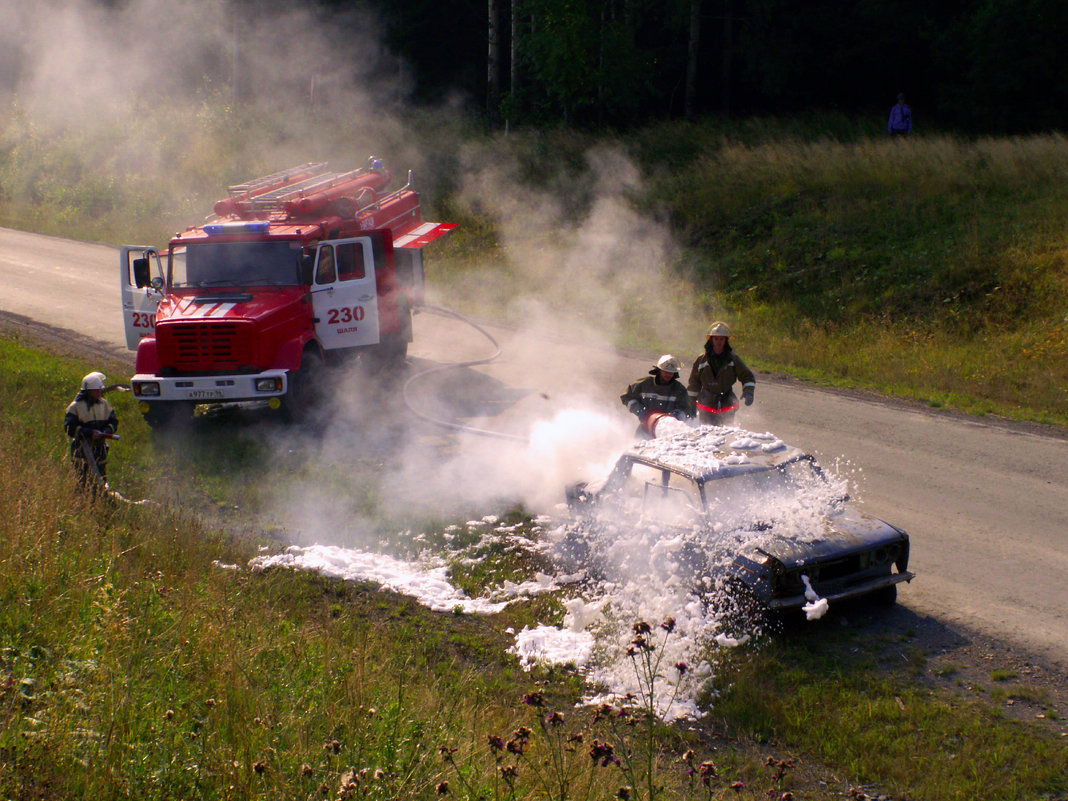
(712, 379)
(661, 391)
(90, 422)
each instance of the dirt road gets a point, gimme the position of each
(986, 503)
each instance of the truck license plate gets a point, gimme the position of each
(205, 394)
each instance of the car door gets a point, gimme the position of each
(344, 294)
(141, 283)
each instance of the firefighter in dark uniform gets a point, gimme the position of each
(712, 379)
(660, 391)
(89, 422)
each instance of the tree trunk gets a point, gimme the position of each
(493, 72)
(513, 59)
(728, 57)
(690, 107)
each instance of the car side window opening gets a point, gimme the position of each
(325, 270)
(350, 262)
(687, 487)
(639, 476)
(671, 499)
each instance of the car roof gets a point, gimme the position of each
(712, 452)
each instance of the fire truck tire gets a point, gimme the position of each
(162, 415)
(387, 356)
(303, 387)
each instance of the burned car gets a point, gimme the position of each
(746, 511)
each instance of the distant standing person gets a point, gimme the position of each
(900, 123)
(712, 379)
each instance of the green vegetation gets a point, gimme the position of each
(932, 269)
(885, 725)
(134, 663)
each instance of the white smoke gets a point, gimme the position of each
(68, 60)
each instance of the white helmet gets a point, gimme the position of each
(94, 380)
(668, 363)
(719, 329)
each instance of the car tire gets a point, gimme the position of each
(887, 596)
(740, 612)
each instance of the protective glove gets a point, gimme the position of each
(635, 408)
(679, 414)
(747, 393)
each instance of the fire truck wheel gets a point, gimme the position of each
(387, 356)
(303, 387)
(162, 415)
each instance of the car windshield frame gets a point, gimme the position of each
(235, 263)
(747, 478)
(723, 490)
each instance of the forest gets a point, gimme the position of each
(971, 66)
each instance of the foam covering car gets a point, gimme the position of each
(747, 511)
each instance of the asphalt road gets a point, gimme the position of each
(985, 502)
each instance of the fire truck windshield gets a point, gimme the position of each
(204, 264)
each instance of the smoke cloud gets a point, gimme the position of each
(578, 269)
(71, 60)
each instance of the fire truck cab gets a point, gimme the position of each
(295, 270)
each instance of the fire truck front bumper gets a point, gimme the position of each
(210, 389)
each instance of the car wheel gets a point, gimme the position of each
(740, 612)
(887, 596)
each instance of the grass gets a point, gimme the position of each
(132, 665)
(881, 725)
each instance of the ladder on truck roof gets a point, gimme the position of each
(256, 185)
(277, 198)
(272, 192)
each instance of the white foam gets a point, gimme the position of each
(430, 586)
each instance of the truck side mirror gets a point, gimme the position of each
(157, 283)
(141, 272)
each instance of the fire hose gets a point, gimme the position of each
(451, 424)
(94, 468)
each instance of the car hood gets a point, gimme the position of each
(846, 532)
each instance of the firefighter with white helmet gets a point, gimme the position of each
(90, 422)
(713, 376)
(660, 391)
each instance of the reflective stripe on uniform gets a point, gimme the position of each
(710, 410)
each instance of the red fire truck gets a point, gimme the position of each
(294, 270)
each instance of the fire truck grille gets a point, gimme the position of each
(206, 346)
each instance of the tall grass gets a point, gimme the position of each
(136, 661)
(933, 268)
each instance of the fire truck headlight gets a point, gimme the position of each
(146, 389)
(268, 384)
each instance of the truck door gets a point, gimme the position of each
(344, 296)
(141, 280)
